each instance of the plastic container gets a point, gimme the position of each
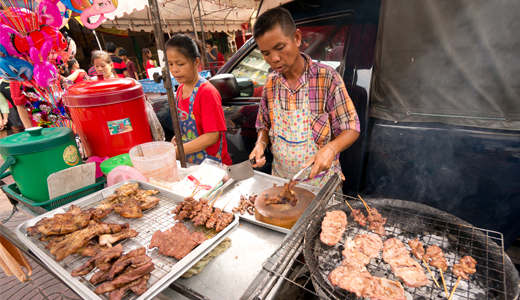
(35, 154)
(159, 161)
(110, 115)
(13, 191)
(123, 173)
(121, 160)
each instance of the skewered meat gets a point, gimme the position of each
(376, 222)
(246, 204)
(360, 282)
(126, 259)
(403, 266)
(203, 215)
(213, 218)
(286, 197)
(189, 208)
(125, 278)
(176, 241)
(223, 220)
(103, 256)
(138, 286)
(109, 239)
(437, 257)
(130, 209)
(417, 248)
(465, 267)
(359, 217)
(332, 227)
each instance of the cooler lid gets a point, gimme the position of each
(102, 92)
(116, 161)
(35, 139)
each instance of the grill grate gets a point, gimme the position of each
(310, 271)
(155, 218)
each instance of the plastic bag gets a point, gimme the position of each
(155, 125)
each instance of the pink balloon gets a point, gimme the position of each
(45, 73)
(49, 13)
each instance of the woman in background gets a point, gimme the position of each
(147, 61)
(76, 74)
(103, 64)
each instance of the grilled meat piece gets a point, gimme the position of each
(93, 248)
(99, 276)
(376, 222)
(223, 220)
(126, 259)
(55, 239)
(353, 257)
(130, 209)
(437, 258)
(176, 241)
(403, 266)
(286, 197)
(417, 249)
(465, 267)
(213, 218)
(61, 224)
(143, 194)
(109, 239)
(245, 204)
(125, 278)
(91, 263)
(203, 215)
(382, 288)
(369, 244)
(332, 227)
(359, 217)
(140, 287)
(149, 202)
(103, 258)
(178, 208)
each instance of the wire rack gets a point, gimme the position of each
(156, 218)
(309, 261)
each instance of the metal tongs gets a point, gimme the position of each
(301, 172)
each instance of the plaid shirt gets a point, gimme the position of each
(329, 101)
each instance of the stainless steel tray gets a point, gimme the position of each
(254, 186)
(167, 269)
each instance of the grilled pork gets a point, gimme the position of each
(109, 239)
(403, 266)
(125, 278)
(437, 258)
(417, 248)
(376, 222)
(359, 217)
(176, 241)
(465, 267)
(332, 227)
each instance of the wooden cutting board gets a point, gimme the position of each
(282, 215)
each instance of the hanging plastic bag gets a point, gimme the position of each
(155, 125)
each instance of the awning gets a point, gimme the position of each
(176, 16)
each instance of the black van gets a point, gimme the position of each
(436, 86)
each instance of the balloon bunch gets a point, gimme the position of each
(46, 112)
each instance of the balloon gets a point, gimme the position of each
(87, 10)
(64, 12)
(49, 13)
(19, 18)
(45, 73)
(12, 68)
(70, 52)
(16, 45)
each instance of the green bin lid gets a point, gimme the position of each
(35, 139)
(116, 161)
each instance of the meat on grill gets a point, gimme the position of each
(103, 256)
(403, 266)
(358, 252)
(332, 227)
(437, 257)
(91, 249)
(129, 259)
(417, 249)
(99, 276)
(376, 222)
(130, 202)
(138, 286)
(286, 197)
(109, 239)
(130, 209)
(359, 217)
(125, 278)
(363, 284)
(176, 241)
(465, 267)
(149, 202)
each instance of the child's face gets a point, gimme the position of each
(102, 67)
(180, 67)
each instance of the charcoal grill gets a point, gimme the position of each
(496, 276)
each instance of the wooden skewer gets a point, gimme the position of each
(216, 199)
(366, 205)
(227, 204)
(348, 204)
(454, 288)
(444, 283)
(209, 193)
(431, 274)
(196, 186)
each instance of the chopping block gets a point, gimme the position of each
(282, 215)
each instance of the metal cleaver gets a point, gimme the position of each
(239, 172)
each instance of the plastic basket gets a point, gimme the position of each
(12, 190)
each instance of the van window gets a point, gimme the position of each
(323, 43)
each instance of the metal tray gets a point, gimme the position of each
(167, 269)
(254, 186)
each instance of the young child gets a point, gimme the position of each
(200, 106)
(103, 64)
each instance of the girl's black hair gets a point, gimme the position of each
(186, 45)
(70, 63)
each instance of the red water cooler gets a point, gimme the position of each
(109, 114)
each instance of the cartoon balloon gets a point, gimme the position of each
(65, 13)
(70, 51)
(19, 18)
(45, 73)
(87, 10)
(17, 45)
(12, 68)
(49, 13)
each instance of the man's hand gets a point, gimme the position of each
(258, 155)
(322, 161)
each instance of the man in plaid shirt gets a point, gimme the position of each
(305, 111)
